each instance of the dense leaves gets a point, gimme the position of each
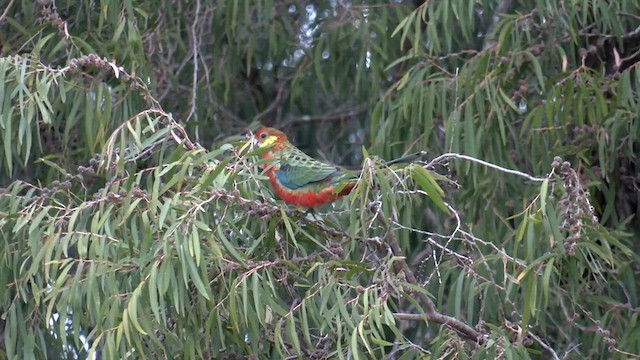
(135, 221)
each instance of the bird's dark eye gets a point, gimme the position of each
(263, 136)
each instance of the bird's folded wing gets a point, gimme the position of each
(299, 169)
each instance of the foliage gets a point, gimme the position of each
(135, 221)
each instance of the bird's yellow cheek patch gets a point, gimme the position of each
(269, 141)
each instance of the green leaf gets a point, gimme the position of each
(132, 310)
(430, 186)
(537, 68)
(543, 196)
(231, 250)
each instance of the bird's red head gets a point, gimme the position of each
(270, 137)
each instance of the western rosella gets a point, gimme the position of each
(301, 180)
(296, 177)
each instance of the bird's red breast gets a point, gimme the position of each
(307, 197)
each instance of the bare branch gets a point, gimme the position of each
(544, 345)
(431, 311)
(338, 115)
(6, 11)
(444, 157)
(501, 9)
(280, 97)
(195, 44)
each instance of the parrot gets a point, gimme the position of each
(299, 179)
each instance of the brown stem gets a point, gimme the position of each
(431, 311)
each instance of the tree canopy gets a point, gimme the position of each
(136, 222)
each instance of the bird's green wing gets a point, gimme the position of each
(298, 169)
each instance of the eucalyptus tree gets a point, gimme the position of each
(135, 221)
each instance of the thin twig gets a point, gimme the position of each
(495, 19)
(6, 11)
(280, 96)
(444, 157)
(544, 345)
(337, 115)
(195, 46)
(430, 308)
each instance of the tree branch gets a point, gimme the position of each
(280, 97)
(432, 314)
(431, 311)
(194, 82)
(6, 11)
(501, 9)
(444, 157)
(337, 115)
(545, 346)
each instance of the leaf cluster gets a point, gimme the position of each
(133, 223)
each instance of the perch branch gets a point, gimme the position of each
(444, 157)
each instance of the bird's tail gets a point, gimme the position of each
(408, 158)
(346, 182)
